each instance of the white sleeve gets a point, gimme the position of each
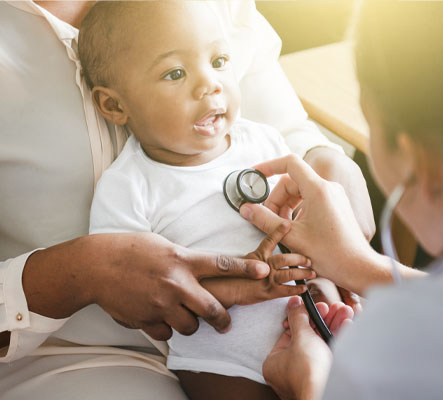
(267, 95)
(28, 330)
(118, 205)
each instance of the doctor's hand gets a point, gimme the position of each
(325, 228)
(236, 291)
(335, 166)
(298, 365)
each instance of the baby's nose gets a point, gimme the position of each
(207, 85)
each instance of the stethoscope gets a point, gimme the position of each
(386, 230)
(251, 186)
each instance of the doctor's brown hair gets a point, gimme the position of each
(399, 59)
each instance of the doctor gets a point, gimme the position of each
(394, 349)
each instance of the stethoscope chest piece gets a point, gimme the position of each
(245, 186)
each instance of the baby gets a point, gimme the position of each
(163, 69)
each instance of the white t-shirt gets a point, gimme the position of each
(187, 206)
(394, 349)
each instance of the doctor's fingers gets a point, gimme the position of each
(203, 304)
(262, 217)
(284, 197)
(302, 174)
(207, 265)
(322, 308)
(298, 319)
(339, 313)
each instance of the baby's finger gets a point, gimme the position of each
(278, 261)
(269, 243)
(292, 274)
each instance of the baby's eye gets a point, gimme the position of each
(174, 75)
(220, 62)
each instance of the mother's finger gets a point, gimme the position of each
(205, 305)
(158, 331)
(285, 291)
(182, 320)
(207, 265)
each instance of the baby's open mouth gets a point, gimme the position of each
(208, 120)
(209, 125)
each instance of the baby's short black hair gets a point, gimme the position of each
(105, 33)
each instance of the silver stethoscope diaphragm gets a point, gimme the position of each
(245, 186)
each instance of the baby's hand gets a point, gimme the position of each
(245, 291)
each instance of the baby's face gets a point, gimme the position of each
(179, 89)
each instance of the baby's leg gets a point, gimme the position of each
(204, 386)
(324, 290)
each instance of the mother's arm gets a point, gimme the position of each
(141, 279)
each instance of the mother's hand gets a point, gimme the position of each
(298, 365)
(154, 285)
(325, 228)
(141, 279)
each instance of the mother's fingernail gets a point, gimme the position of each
(262, 269)
(246, 212)
(226, 330)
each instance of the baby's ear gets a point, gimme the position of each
(107, 102)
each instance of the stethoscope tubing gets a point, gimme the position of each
(308, 301)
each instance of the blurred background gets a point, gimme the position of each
(303, 24)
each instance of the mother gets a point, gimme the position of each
(395, 347)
